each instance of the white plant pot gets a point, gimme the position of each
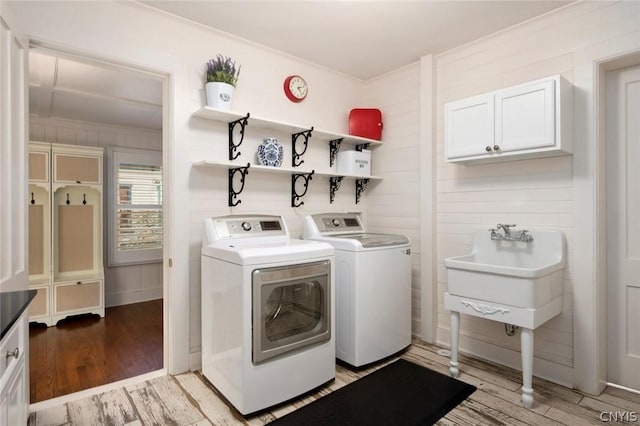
(219, 94)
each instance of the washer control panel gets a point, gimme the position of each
(220, 228)
(338, 222)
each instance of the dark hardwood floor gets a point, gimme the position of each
(88, 351)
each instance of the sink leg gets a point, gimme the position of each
(455, 331)
(526, 343)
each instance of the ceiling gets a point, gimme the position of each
(359, 38)
(71, 88)
(362, 39)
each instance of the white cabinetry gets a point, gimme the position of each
(65, 231)
(526, 121)
(14, 398)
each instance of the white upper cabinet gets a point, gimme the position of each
(525, 121)
(469, 126)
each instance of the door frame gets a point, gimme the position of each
(603, 68)
(175, 351)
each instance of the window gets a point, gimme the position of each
(135, 200)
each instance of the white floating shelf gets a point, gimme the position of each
(267, 169)
(265, 123)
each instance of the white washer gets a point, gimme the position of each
(373, 287)
(267, 311)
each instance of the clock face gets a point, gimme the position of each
(295, 88)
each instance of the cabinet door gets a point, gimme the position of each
(78, 297)
(469, 126)
(38, 166)
(77, 168)
(14, 398)
(525, 116)
(39, 306)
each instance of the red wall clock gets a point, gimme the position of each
(295, 88)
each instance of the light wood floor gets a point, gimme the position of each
(188, 399)
(85, 352)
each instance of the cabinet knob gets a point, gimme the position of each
(13, 354)
(487, 148)
(496, 148)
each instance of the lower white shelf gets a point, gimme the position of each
(268, 169)
(296, 173)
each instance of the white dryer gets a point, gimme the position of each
(267, 311)
(373, 287)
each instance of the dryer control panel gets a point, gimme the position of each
(225, 227)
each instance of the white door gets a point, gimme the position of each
(469, 127)
(525, 117)
(623, 227)
(13, 158)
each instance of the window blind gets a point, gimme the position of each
(139, 207)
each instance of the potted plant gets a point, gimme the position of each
(222, 77)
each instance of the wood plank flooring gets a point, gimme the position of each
(188, 399)
(85, 352)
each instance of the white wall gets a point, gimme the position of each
(393, 204)
(556, 193)
(167, 45)
(123, 284)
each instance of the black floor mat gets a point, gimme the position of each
(399, 394)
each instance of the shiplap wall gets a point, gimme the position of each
(393, 204)
(123, 284)
(264, 193)
(531, 193)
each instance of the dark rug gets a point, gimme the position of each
(400, 394)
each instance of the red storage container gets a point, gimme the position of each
(366, 122)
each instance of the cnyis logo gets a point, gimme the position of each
(224, 97)
(619, 416)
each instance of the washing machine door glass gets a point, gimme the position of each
(291, 308)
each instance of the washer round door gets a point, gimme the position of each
(291, 308)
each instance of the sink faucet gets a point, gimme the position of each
(523, 236)
(506, 229)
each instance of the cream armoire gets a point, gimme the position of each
(65, 231)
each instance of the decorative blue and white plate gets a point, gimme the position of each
(270, 153)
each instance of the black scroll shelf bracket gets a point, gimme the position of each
(361, 185)
(334, 147)
(295, 155)
(233, 194)
(233, 147)
(295, 196)
(334, 185)
(362, 146)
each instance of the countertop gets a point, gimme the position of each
(12, 305)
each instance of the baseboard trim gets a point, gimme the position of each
(137, 296)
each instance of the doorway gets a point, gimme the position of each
(80, 102)
(623, 226)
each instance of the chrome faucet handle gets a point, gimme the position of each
(494, 234)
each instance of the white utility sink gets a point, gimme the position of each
(514, 277)
(515, 273)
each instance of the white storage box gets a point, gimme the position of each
(354, 162)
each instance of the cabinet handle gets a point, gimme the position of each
(15, 353)
(488, 148)
(496, 148)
